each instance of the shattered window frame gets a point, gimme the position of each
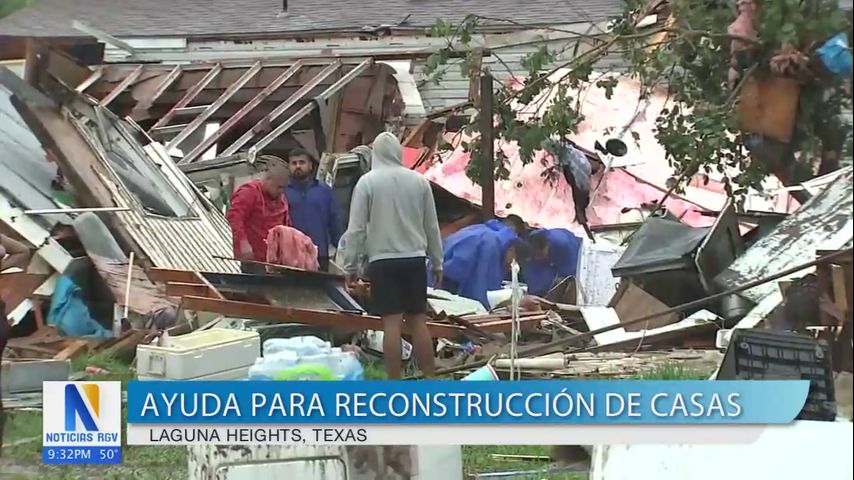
(145, 182)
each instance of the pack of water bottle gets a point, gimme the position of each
(305, 354)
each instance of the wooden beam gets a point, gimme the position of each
(122, 86)
(216, 105)
(216, 293)
(168, 129)
(166, 275)
(72, 349)
(188, 97)
(96, 75)
(487, 145)
(180, 289)
(244, 110)
(323, 97)
(505, 326)
(147, 102)
(283, 107)
(187, 111)
(271, 313)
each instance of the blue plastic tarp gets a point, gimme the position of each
(474, 259)
(70, 315)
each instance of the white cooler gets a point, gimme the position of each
(215, 354)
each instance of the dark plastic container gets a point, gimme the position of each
(758, 354)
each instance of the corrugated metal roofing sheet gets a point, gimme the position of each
(188, 242)
(25, 172)
(825, 222)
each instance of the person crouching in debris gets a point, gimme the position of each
(552, 257)
(393, 220)
(478, 258)
(256, 207)
(312, 205)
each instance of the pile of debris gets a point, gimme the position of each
(127, 240)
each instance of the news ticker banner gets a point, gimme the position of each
(458, 413)
(82, 420)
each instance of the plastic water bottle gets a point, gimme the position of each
(302, 346)
(348, 367)
(282, 354)
(258, 370)
(265, 368)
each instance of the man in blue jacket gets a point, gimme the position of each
(553, 257)
(312, 205)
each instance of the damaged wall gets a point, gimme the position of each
(825, 222)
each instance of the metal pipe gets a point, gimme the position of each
(53, 211)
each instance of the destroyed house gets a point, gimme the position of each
(395, 32)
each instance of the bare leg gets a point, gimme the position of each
(422, 342)
(391, 345)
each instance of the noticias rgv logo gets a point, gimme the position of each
(76, 407)
(83, 403)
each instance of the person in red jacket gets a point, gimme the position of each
(256, 207)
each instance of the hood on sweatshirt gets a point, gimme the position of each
(506, 236)
(387, 151)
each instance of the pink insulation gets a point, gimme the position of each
(641, 179)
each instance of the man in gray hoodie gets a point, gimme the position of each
(393, 221)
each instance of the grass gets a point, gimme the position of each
(478, 459)
(673, 371)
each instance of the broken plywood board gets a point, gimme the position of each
(617, 339)
(631, 301)
(145, 296)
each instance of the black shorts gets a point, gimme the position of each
(398, 285)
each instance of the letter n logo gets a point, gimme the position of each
(77, 407)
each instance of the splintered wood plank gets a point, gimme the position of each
(188, 97)
(121, 87)
(125, 347)
(166, 275)
(72, 349)
(244, 110)
(180, 289)
(216, 293)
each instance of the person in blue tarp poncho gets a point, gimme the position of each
(552, 256)
(477, 258)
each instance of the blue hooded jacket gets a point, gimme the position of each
(314, 212)
(474, 259)
(561, 262)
